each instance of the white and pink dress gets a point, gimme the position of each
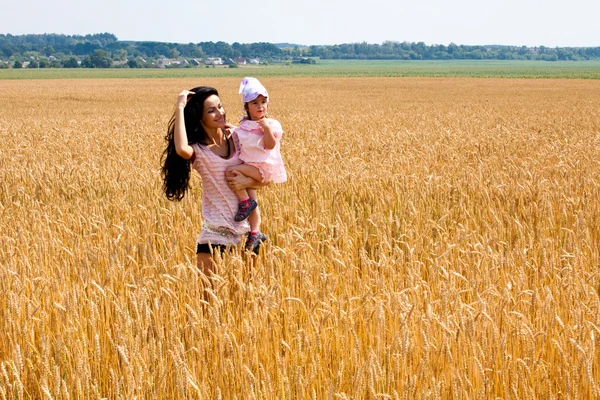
(219, 202)
(250, 142)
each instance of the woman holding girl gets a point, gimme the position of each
(199, 138)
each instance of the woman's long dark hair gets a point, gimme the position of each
(175, 170)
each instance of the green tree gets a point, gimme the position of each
(84, 48)
(452, 48)
(48, 50)
(17, 64)
(476, 55)
(101, 59)
(86, 62)
(135, 63)
(565, 54)
(121, 55)
(31, 54)
(197, 52)
(209, 48)
(71, 62)
(223, 50)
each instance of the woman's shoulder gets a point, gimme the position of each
(200, 152)
(197, 152)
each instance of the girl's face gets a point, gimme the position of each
(257, 108)
(213, 116)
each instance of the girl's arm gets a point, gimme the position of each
(184, 150)
(268, 138)
(238, 181)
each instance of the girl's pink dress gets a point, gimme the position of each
(250, 142)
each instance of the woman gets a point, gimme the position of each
(198, 136)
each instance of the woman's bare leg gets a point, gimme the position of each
(206, 266)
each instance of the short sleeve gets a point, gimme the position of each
(276, 128)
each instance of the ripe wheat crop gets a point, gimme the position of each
(437, 239)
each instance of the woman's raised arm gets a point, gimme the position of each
(183, 149)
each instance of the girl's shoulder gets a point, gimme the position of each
(274, 124)
(248, 125)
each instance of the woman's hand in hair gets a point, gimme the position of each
(183, 98)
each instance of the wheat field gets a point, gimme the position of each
(437, 239)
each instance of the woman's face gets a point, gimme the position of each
(213, 116)
(257, 108)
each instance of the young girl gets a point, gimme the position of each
(258, 141)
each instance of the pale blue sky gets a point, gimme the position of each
(510, 22)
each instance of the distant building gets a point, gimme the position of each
(213, 61)
(171, 62)
(240, 61)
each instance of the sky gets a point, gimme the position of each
(531, 23)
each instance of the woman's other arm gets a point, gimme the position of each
(238, 181)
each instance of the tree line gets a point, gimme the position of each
(104, 50)
(420, 51)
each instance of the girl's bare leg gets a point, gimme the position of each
(249, 171)
(254, 218)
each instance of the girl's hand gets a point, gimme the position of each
(183, 98)
(263, 122)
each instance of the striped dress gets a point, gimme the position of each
(219, 202)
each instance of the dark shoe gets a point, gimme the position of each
(244, 209)
(253, 241)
